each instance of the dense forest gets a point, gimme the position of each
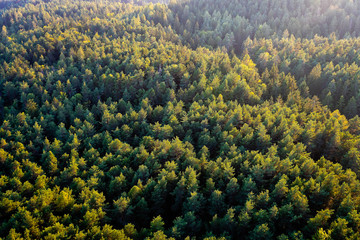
(182, 119)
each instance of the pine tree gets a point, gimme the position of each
(351, 109)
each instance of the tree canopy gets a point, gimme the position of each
(201, 119)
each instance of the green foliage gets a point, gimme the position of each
(197, 119)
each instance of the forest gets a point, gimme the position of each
(180, 119)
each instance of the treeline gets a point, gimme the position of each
(113, 128)
(228, 23)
